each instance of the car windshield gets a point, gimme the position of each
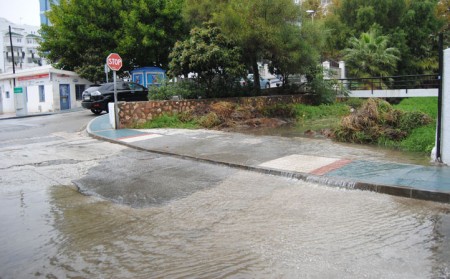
(108, 87)
(91, 89)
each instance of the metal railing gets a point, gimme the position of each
(393, 82)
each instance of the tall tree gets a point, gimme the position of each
(421, 26)
(298, 49)
(411, 25)
(443, 13)
(371, 56)
(254, 24)
(149, 30)
(84, 32)
(213, 57)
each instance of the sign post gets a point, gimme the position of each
(114, 62)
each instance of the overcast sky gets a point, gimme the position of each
(21, 11)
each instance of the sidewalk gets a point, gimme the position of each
(311, 160)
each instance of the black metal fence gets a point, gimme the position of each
(392, 82)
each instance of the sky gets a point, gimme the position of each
(21, 11)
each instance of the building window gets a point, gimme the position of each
(7, 94)
(79, 88)
(19, 40)
(41, 94)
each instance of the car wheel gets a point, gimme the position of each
(96, 111)
(267, 85)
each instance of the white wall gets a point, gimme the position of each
(445, 138)
(7, 103)
(34, 105)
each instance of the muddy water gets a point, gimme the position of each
(248, 226)
(313, 130)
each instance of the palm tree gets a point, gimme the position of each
(370, 56)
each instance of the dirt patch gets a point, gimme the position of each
(229, 116)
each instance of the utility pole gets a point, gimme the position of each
(12, 54)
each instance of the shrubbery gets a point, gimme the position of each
(378, 122)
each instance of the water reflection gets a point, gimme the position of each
(251, 225)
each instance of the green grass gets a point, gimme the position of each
(306, 112)
(428, 105)
(168, 121)
(421, 139)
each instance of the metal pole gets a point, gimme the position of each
(116, 112)
(12, 54)
(106, 72)
(439, 116)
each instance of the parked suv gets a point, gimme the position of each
(97, 98)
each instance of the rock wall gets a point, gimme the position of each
(133, 113)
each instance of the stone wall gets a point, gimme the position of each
(140, 112)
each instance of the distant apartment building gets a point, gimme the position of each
(45, 6)
(25, 41)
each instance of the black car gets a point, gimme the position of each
(97, 98)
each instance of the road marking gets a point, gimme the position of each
(139, 138)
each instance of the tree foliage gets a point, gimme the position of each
(256, 26)
(214, 58)
(298, 50)
(412, 26)
(371, 56)
(84, 32)
(149, 30)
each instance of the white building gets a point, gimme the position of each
(25, 41)
(46, 89)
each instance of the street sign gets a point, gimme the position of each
(114, 61)
(18, 90)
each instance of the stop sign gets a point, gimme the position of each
(114, 61)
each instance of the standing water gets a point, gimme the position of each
(248, 226)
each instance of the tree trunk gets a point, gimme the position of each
(256, 85)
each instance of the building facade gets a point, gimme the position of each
(25, 41)
(45, 88)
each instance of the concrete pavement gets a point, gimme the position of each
(306, 159)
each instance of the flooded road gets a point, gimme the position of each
(248, 226)
(224, 224)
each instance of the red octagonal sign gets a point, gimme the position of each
(114, 61)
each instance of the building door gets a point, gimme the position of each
(64, 96)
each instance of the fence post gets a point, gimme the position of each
(443, 130)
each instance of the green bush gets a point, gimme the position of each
(413, 119)
(184, 89)
(354, 103)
